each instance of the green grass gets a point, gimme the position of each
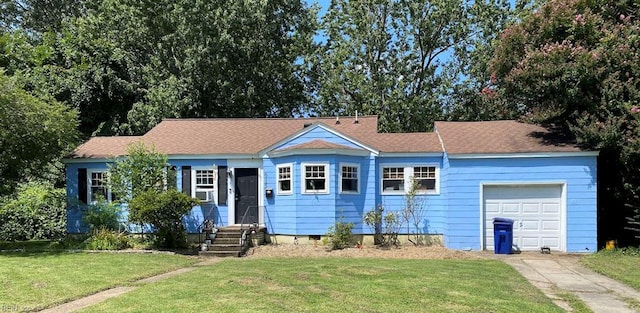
(576, 303)
(34, 280)
(338, 285)
(621, 265)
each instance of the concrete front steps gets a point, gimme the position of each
(228, 242)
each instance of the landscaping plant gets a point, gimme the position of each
(164, 211)
(339, 235)
(385, 226)
(37, 212)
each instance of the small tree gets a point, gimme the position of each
(164, 211)
(141, 170)
(385, 226)
(413, 213)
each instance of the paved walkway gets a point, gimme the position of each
(557, 273)
(117, 291)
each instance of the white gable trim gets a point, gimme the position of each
(306, 130)
(411, 154)
(351, 152)
(523, 155)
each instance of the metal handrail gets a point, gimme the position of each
(244, 216)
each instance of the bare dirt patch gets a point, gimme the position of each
(403, 252)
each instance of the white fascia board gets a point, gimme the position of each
(310, 128)
(87, 160)
(211, 156)
(318, 152)
(410, 154)
(523, 155)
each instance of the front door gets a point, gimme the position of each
(246, 195)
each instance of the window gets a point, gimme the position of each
(393, 179)
(99, 187)
(204, 184)
(285, 185)
(398, 179)
(315, 178)
(425, 176)
(349, 178)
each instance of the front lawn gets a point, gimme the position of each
(338, 285)
(34, 280)
(621, 265)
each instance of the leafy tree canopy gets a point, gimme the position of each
(577, 64)
(140, 170)
(402, 60)
(33, 133)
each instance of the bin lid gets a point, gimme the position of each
(502, 220)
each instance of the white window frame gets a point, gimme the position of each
(303, 181)
(435, 178)
(382, 179)
(195, 187)
(357, 177)
(290, 179)
(408, 177)
(105, 183)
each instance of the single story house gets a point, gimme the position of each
(296, 177)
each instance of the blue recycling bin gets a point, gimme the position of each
(502, 235)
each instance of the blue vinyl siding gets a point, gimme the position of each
(313, 214)
(318, 133)
(465, 177)
(192, 220)
(434, 217)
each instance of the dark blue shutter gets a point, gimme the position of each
(222, 185)
(82, 185)
(186, 180)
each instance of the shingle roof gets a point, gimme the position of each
(250, 136)
(104, 147)
(317, 144)
(490, 137)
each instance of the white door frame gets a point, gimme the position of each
(244, 163)
(563, 207)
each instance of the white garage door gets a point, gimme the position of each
(535, 209)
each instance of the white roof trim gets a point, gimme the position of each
(411, 154)
(310, 128)
(353, 152)
(523, 155)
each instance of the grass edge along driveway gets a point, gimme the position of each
(35, 280)
(338, 285)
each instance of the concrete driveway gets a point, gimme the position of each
(558, 272)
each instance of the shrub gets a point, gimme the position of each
(164, 211)
(105, 239)
(38, 211)
(339, 235)
(385, 226)
(102, 215)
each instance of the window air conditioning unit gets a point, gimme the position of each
(204, 195)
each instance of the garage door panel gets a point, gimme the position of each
(535, 209)
(492, 208)
(528, 225)
(510, 208)
(551, 242)
(530, 208)
(551, 208)
(551, 225)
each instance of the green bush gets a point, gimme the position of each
(105, 239)
(164, 211)
(102, 215)
(38, 211)
(340, 235)
(385, 226)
